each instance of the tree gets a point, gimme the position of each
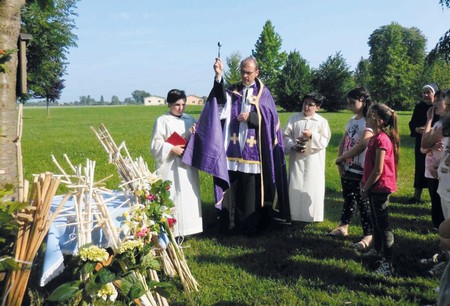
(442, 48)
(139, 95)
(362, 73)
(51, 29)
(87, 100)
(397, 56)
(267, 53)
(437, 71)
(294, 82)
(115, 100)
(129, 101)
(9, 35)
(333, 79)
(233, 73)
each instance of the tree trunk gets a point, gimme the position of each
(9, 36)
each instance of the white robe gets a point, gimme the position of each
(307, 170)
(185, 190)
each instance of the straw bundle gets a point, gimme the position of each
(34, 223)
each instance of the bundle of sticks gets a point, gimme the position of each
(133, 174)
(91, 211)
(34, 223)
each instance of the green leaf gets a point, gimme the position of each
(161, 288)
(65, 291)
(105, 276)
(131, 286)
(149, 262)
(88, 267)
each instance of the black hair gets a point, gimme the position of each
(390, 125)
(440, 94)
(362, 94)
(174, 95)
(316, 97)
(446, 126)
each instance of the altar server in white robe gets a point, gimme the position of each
(306, 136)
(185, 189)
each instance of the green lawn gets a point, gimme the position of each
(291, 265)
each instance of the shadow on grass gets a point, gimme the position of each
(304, 251)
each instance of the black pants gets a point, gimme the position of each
(383, 235)
(437, 216)
(353, 199)
(241, 208)
(419, 165)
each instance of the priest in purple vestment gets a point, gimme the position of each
(251, 143)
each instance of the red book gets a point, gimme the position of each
(176, 139)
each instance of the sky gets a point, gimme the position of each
(156, 46)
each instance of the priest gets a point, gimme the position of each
(241, 125)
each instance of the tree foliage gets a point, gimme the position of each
(362, 73)
(233, 73)
(333, 79)
(139, 95)
(115, 100)
(269, 56)
(397, 55)
(294, 82)
(438, 71)
(51, 28)
(442, 48)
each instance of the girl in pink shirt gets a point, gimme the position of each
(380, 179)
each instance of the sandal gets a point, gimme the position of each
(364, 244)
(338, 231)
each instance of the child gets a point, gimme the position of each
(444, 165)
(350, 165)
(433, 147)
(185, 191)
(380, 179)
(444, 228)
(305, 137)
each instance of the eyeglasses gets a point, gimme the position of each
(243, 72)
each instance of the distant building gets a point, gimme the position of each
(154, 100)
(157, 100)
(194, 100)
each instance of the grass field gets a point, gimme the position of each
(292, 265)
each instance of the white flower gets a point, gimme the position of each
(130, 245)
(108, 290)
(93, 253)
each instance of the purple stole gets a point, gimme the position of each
(250, 152)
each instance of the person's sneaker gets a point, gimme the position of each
(438, 269)
(371, 253)
(385, 268)
(438, 257)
